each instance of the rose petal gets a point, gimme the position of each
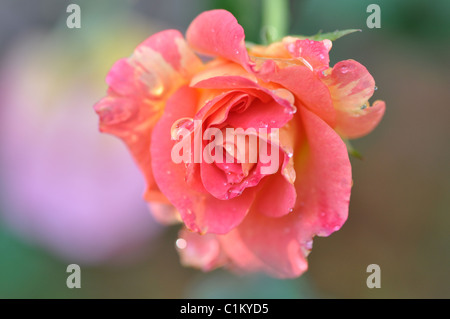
(313, 53)
(277, 197)
(323, 180)
(164, 213)
(272, 245)
(218, 33)
(279, 246)
(138, 89)
(218, 68)
(307, 88)
(272, 109)
(358, 124)
(350, 85)
(200, 211)
(200, 251)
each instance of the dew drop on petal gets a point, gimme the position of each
(291, 110)
(181, 243)
(154, 83)
(178, 125)
(263, 124)
(343, 70)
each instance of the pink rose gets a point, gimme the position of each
(241, 214)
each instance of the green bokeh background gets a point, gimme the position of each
(400, 206)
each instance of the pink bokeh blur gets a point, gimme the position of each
(64, 185)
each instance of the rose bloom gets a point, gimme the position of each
(236, 215)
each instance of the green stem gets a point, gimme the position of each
(275, 20)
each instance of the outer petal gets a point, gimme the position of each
(312, 53)
(323, 177)
(138, 89)
(218, 33)
(304, 84)
(277, 197)
(272, 245)
(164, 213)
(358, 124)
(351, 86)
(200, 211)
(200, 251)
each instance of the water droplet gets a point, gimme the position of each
(291, 210)
(343, 70)
(375, 88)
(235, 192)
(154, 83)
(181, 243)
(189, 212)
(178, 126)
(292, 110)
(236, 52)
(306, 63)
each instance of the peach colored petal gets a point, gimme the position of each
(200, 251)
(312, 53)
(351, 86)
(307, 88)
(217, 33)
(323, 179)
(272, 245)
(361, 123)
(138, 89)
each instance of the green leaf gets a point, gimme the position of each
(352, 151)
(329, 35)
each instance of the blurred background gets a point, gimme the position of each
(69, 194)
